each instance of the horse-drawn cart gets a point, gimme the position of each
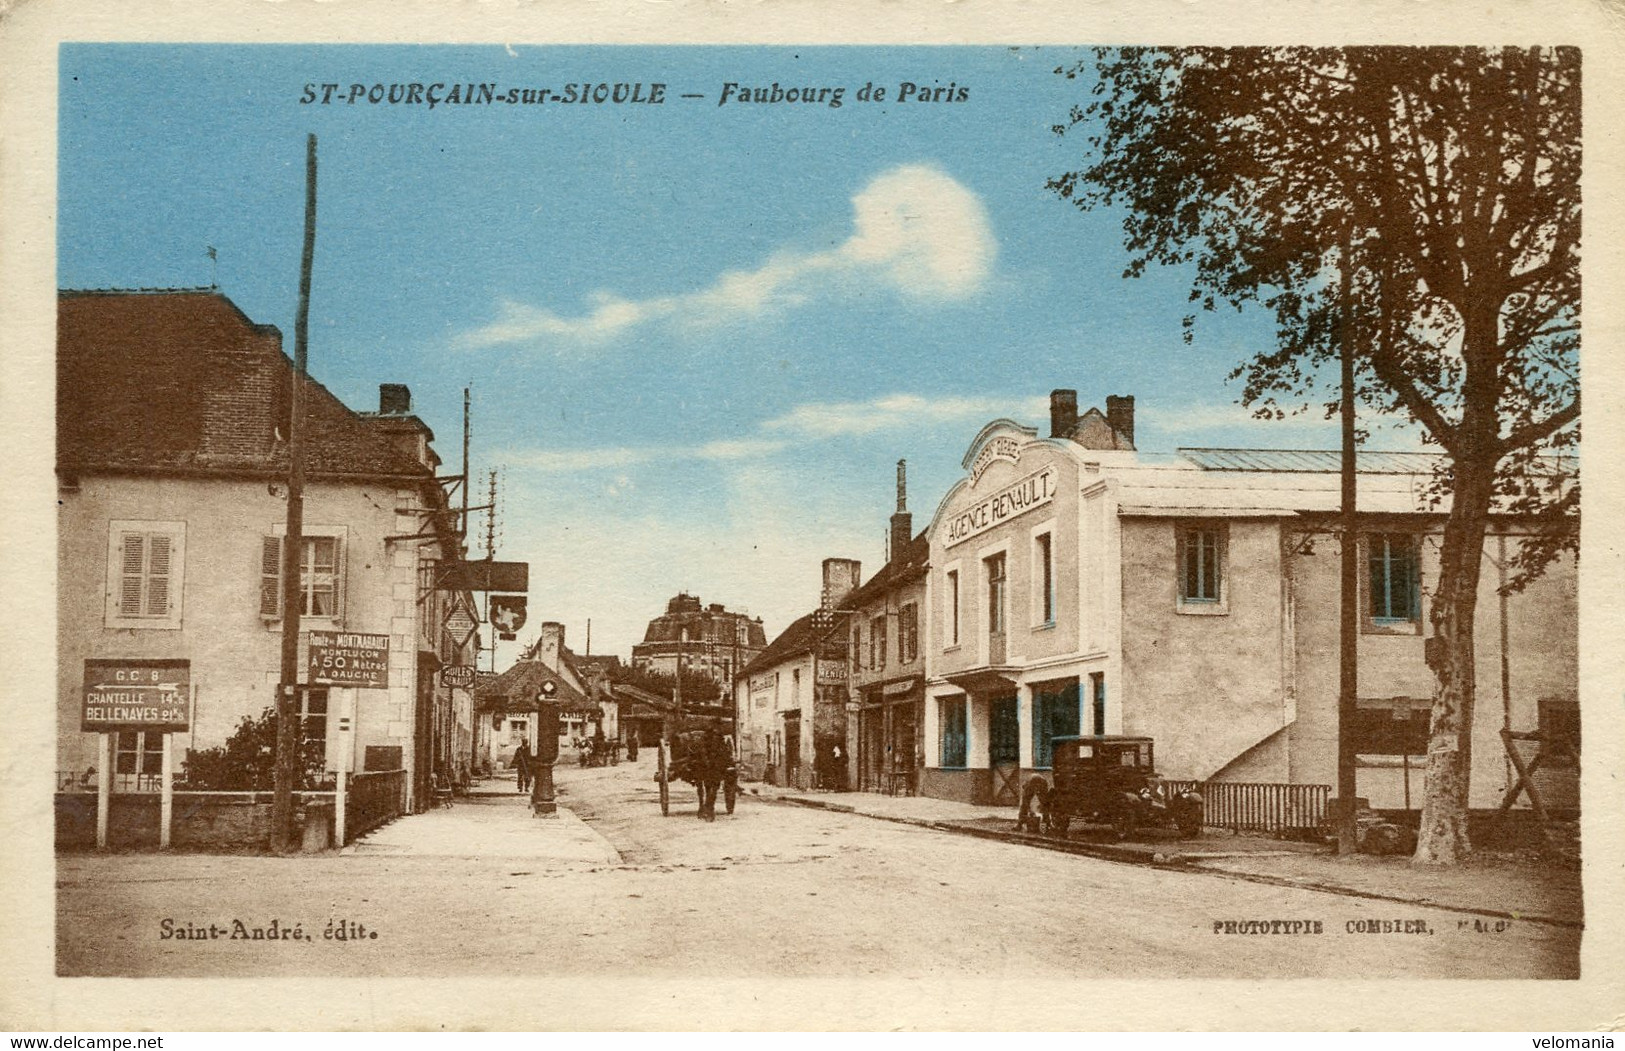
(704, 757)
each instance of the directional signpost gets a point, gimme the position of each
(149, 696)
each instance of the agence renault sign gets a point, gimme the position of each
(1012, 501)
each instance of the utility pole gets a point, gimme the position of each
(467, 480)
(287, 707)
(1349, 591)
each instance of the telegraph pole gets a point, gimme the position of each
(1349, 613)
(287, 707)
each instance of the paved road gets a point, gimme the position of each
(771, 891)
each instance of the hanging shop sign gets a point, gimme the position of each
(152, 695)
(507, 614)
(458, 676)
(349, 658)
(1035, 490)
(460, 622)
(486, 575)
(831, 672)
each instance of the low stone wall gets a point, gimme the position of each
(203, 821)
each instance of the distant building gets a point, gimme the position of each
(172, 463)
(790, 702)
(711, 640)
(507, 703)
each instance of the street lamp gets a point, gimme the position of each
(547, 751)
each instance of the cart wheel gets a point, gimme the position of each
(730, 792)
(665, 783)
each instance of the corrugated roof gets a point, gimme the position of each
(1310, 461)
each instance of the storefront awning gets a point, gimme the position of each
(989, 679)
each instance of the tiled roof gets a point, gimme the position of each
(906, 565)
(517, 688)
(182, 380)
(800, 637)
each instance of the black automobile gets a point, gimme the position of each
(1107, 780)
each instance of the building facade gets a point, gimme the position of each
(708, 639)
(790, 702)
(172, 462)
(1077, 585)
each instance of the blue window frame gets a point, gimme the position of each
(1055, 714)
(1201, 564)
(953, 730)
(1395, 593)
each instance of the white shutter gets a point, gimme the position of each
(338, 576)
(158, 570)
(271, 576)
(133, 563)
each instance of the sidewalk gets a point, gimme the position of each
(1509, 886)
(488, 823)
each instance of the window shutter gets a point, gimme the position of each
(271, 576)
(133, 557)
(338, 576)
(158, 563)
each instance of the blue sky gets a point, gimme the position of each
(699, 336)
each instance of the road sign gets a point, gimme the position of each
(137, 695)
(349, 658)
(457, 676)
(460, 622)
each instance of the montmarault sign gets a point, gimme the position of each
(349, 658)
(1035, 490)
(134, 694)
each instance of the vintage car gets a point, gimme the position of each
(1107, 780)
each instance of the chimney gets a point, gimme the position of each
(394, 399)
(1120, 414)
(840, 580)
(1063, 412)
(552, 642)
(902, 523)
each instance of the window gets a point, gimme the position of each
(321, 577)
(953, 607)
(1394, 580)
(1097, 693)
(1044, 578)
(1055, 714)
(138, 761)
(908, 633)
(877, 642)
(995, 594)
(1201, 564)
(313, 734)
(144, 562)
(953, 730)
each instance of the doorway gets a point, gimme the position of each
(1004, 752)
(792, 751)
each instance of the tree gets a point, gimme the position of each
(1445, 183)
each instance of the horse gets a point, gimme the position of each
(702, 758)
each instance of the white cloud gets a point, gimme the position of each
(914, 229)
(813, 421)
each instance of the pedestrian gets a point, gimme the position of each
(632, 747)
(521, 763)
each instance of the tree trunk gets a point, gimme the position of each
(1443, 839)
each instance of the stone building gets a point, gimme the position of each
(708, 639)
(172, 464)
(1079, 585)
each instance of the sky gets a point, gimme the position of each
(699, 333)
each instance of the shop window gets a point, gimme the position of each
(1201, 567)
(1055, 714)
(1393, 582)
(321, 577)
(1044, 579)
(144, 562)
(138, 761)
(908, 633)
(877, 642)
(953, 715)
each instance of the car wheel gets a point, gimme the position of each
(1059, 823)
(1189, 822)
(1123, 822)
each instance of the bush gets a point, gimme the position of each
(247, 761)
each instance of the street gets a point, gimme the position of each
(772, 890)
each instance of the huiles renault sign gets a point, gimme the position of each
(1035, 490)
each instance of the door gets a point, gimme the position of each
(1004, 752)
(792, 751)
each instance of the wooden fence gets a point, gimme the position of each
(1244, 806)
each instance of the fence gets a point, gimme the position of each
(375, 797)
(1244, 806)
